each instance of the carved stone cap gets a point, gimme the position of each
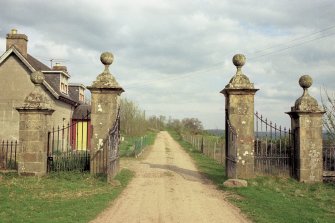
(37, 99)
(306, 102)
(239, 80)
(105, 79)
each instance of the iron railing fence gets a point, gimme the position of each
(140, 144)
(274, 150)
(8, 155)
(69, 161)
(211, 146)
(69, 145)
(329, 161)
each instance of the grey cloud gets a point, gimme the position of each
(155, 40)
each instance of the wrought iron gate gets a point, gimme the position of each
(231, 149)
(274, 150)
(106, 159)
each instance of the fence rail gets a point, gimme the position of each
(69, 145)
(211, 146)
(69, 161)
(8, 155)
(273, 148)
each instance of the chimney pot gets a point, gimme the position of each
(19, 41)
(59, 67)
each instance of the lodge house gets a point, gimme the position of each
(16, 66)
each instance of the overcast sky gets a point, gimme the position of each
(174, 57)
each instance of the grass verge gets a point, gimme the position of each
(132, 146)
(271, 199)
(57, 197)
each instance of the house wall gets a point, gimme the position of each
(62, 115)
(15, 85)
(59, 128)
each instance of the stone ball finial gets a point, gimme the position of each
(239, 60)
(37, 77)
(305, 81)
(106, 58)
(306, 102)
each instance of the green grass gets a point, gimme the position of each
(271, 199)
(57, 197)
(207, 166)
(274, 199)
(133, 145)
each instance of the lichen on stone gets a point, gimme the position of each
(106, 79)
(239, 80)
(37, 99)
(306, 102)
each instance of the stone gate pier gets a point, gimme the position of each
(306, 122)
(239, 105)
(34, 124)
(105, 94)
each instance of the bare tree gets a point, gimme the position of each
(328, 104)
(134, 121)
(192, 125)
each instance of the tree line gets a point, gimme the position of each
(134, 122)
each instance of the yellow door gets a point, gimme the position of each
(82, 135)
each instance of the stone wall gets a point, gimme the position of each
(62, 115)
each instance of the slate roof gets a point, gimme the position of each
(73, 93)
(51, 79)
(52, 85)
(38, 65)
(82, 112)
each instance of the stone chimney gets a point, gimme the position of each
(18, 40)
(59, 67)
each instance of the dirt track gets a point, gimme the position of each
(168, 188)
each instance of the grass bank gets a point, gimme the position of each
(271, 199)
(58, 197)
(133, 145)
